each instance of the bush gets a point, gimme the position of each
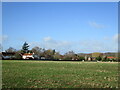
(81, 58)
(98, 58)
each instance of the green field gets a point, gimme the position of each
(59, 74)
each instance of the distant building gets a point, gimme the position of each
(86, 58)
(27, 56)
(89, 59)
(8, 55)
(111, 58)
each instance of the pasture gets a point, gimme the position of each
(59, 74)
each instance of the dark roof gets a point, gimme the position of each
(8, 53)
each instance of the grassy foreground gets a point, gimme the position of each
(59, 74)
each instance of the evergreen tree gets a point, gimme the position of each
(25, 48)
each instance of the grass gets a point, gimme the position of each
(59, 74)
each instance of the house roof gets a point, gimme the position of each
(111, 57)
(8, 53)
(28, 54)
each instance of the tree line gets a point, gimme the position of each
(41, 53)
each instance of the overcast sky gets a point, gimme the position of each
(81, 27)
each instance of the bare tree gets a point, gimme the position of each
(10, 49)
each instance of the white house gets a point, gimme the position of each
(28, 56)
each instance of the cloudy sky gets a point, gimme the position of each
(82, 27)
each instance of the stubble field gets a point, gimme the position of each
(59, 74)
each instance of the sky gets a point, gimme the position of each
(83, 27)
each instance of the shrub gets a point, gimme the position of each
(81, 58)
(98, 58)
